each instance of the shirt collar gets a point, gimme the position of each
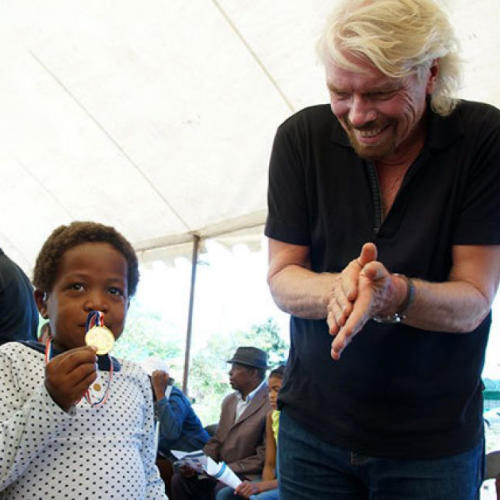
(442, 131)
(102, 361)
(251, 395)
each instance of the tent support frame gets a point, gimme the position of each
(194, 265)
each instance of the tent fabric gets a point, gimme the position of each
(158, 117)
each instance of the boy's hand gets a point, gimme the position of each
(69, 375)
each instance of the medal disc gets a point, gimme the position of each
(100, 337)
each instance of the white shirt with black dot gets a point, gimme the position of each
(94, 453)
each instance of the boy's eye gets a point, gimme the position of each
(115, 291)
(76, 286)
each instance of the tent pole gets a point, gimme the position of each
(194, 264)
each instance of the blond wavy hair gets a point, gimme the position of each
(399, 37)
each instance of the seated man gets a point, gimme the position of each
(180, 427)
(240, 437)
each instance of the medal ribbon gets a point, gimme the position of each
(95, 318)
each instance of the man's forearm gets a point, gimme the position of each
(452, 306)
(301, 292)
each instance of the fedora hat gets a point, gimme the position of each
(250, 356)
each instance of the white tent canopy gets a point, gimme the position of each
(158, 116)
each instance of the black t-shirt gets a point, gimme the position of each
(18, 312)
(397, 391)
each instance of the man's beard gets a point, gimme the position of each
(370, 152)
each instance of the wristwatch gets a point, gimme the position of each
(399, 315)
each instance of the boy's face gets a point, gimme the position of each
(274, 388)
(90, 276)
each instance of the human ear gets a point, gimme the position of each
(432, 76)
(41, 302)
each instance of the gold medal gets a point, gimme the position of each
(100, 337)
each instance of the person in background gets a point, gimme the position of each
(267, 489)
(383, 220)
(18, 312)
(73, 423)
(180, 427)
(240, 437)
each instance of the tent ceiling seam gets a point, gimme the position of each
(111, 138)
(188, 238)
(44, 188)
(255, 56)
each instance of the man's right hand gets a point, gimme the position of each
(69, 375)
(187, 471)
(159, 381)
(345, 289)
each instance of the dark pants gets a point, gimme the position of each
(310, 468)
(166, 470)
(193, 488)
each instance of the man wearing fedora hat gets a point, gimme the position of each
(240, 437)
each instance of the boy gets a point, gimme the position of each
(55, 442)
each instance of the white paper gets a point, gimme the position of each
(488, 490)
(152, 363)
(222, 472)
(200, 462)
(197, 460)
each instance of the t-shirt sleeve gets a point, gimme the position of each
(287, 219)
(479, 217)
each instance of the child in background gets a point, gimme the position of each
(55, 442)
(267, 489)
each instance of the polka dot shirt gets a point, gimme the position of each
(94, 453)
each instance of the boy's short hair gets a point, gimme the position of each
(77, 233)
(278, 372)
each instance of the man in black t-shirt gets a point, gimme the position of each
(384, 219)
(18, 312)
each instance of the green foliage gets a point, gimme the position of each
(145, 336)
(208, 374)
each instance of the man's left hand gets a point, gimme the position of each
(379, 294)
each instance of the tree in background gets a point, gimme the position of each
(208, 374)
(144, 336)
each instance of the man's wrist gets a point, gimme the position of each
(401, 311)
